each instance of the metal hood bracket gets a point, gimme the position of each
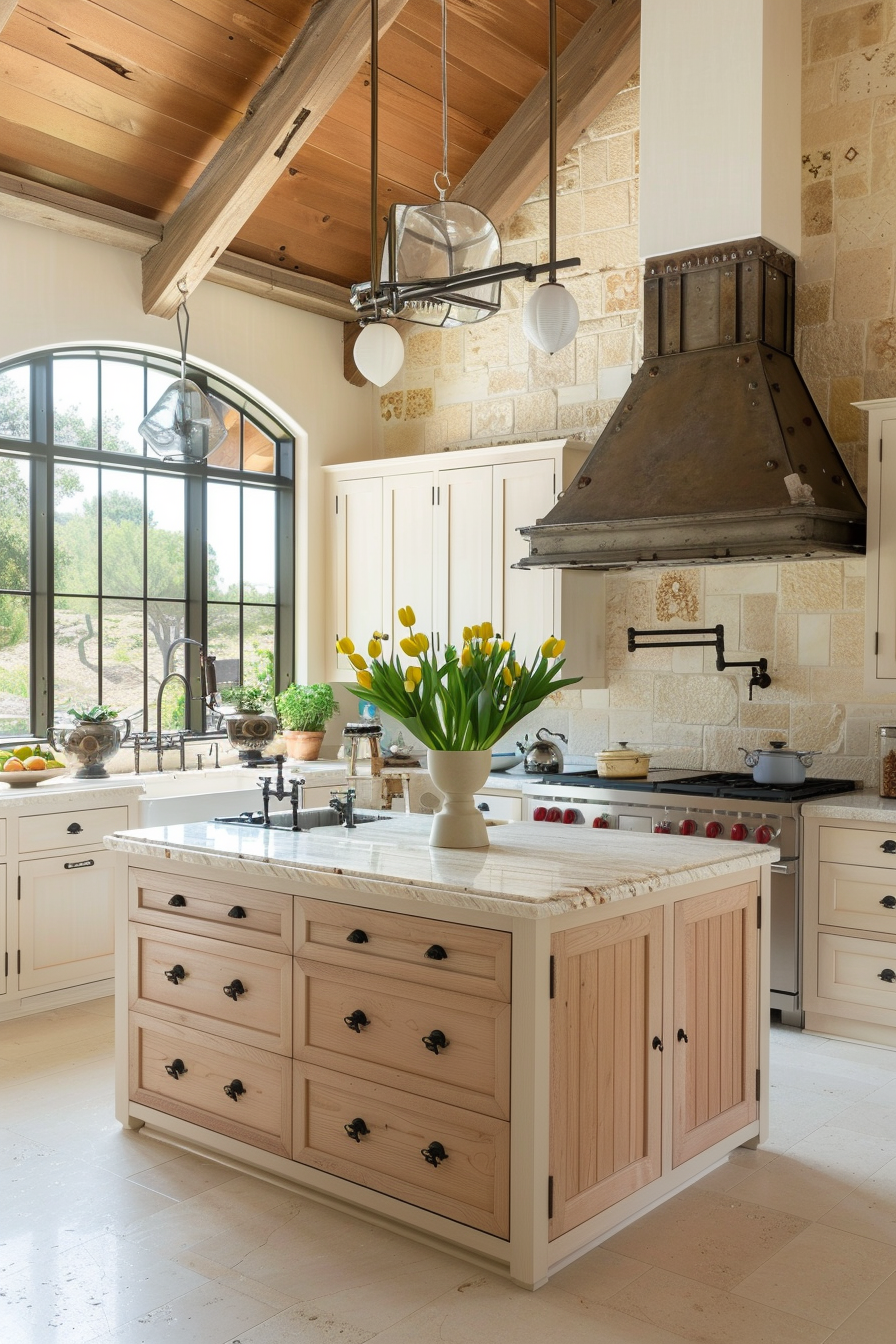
(717, 452)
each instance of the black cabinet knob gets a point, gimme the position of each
(74, 828)
(436, 953)
(177, 901)
(356, 1020)
(234, 989)
(435, 1041)
(234, 1090)
(682, 1035)
(175, 1069)
(434, 1153)
(483, 807)
(889, 902)
(236, 912)
(887, 975)
(889, 846)
(355, 1128)
(657, 1043)
(176, 974)
(357, 936)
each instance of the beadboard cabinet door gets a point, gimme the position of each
(66, 919)
(606, 1073)
(715, 1019)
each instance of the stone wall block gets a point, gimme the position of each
(847, 29)
(548, 371)
(848, 638)
(492, 417)
(486, 343)
(773, 717)
(586, 348)
(622, 113)
(695, 699)
(595, 165)
(863, 284)
(633, 690)
(844, 421)
(758, 612)
(818, 208)
(536, 411)
(817, 727)
(867, 74)
(812, 585)
(813, 304)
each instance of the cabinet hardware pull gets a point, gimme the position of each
(355, 1128)
(889, 846)
(357, 936)
(74, 828)
(234, 1090)
(657, 1044)
(435, 1041)
(889, 902)
(887, 975)
(177, 900)
(175, 1069)
(176, 974)
(483, 807)
(682, 1035)
(236, 912)
(356, 1020)
(82, 863)
(436, 953)
(234, 989)
(434, 1153)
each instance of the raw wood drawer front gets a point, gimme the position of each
(185, 1073)
(409, 947)
(859, 971)
(856, 898)
(471, 1183)
(182, 978)
(837, 844)
(374, 1028)
(199, 905)
(70, 830)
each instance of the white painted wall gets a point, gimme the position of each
(720, 123)
(56, 289)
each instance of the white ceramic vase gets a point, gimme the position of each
(458, 775)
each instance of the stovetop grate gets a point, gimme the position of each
(714, 784)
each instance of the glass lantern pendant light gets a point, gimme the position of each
(551, 316)
(184, 425)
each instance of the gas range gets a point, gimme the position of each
(714, 784)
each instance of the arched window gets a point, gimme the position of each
(108, 554)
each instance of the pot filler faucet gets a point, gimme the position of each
(208, 681)
(759, 666)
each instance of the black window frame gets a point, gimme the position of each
(43, 455)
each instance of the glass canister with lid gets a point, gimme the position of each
(887, 762)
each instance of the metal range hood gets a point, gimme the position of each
(717, 452)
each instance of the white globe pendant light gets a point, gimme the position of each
(379, 353)
(551, 317)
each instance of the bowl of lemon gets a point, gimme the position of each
(27, 766)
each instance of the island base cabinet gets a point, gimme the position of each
(235, 1089)
(716, 1024)
(450, 1161)
(66, 919)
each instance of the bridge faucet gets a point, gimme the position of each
(344, 810)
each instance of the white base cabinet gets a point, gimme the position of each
(66, 919)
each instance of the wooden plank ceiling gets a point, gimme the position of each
(125, 102)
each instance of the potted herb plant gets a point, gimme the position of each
(92, 740)
(304, 714)
(459, 705)
(251, 725)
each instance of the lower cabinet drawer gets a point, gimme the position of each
(234, 1089)
(241, 993)
(450, 1047)
(846, 844)
(856, 898)
(449, 1161)
(70, 830)
(201, 905)
(858, 971)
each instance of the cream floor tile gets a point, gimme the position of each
(874, 1322)
(876, 1055)
(695, 1311)
(304, 1325)
(15, 1148)
(795, 1114)
(598, 1276)
(867, 1118)
(869, 1210)
(714, 1238)
(816, 1173)
(386, 1299)
(211, 1314)
(182, 1177)
(811, 1076)
(885, 1095)
(823, 1275)
(239, 1215)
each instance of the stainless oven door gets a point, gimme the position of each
(785, 937)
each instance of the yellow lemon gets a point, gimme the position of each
(345, 645)
(22, 753)
(357, 660)
(365, 679)
(374, 648)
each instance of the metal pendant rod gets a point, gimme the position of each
(374, 139)
(552, 172)
(432, 289)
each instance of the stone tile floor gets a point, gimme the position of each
(109, 1237)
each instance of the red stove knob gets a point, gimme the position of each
(600, 824)
(714, 829)
(739, 831)
(662, 828)
(687, 827)
(763, 835)
(539, 814)
(554, 814)
(570, 816)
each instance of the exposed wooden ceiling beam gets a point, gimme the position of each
(293, 100)
(595, 66)
(35, 203)
(6, 8)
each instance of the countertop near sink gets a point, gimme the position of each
(54, 794)
(537, 870)
(854, 807)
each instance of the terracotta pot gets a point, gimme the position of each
(458, 775)
(303, 746)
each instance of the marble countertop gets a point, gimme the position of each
(533, 870)
(51, 794)
(862, 806)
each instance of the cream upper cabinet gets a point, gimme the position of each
(880, 592)
(4, 954)
(445, 539)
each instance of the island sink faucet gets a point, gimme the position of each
(279, 791)
(342, 802)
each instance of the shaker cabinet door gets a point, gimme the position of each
(408, 554)
(356, 574)
(715, 1021)
(67, 919)
(4, 954)
(606, 1073)
(522, 599)
(464, 550)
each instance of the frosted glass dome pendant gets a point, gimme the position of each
(185, 425)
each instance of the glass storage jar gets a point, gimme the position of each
(887, 762)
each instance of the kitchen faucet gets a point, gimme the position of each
(345, 811)
(208, 684)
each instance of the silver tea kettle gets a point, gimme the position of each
(542, 757)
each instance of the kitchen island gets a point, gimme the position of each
(507, 1052)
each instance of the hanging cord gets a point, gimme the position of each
(443, 185)
(552, 138)
(374, 146)
(183, 327)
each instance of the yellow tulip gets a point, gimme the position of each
(365, 679)
(487, 648)
(415, 674)
(477, 631)
(558, 648)
(517, 670)
(374, 648)
(345, 645)
(508, 676)
(505, 645)
(409, 646)
(547, 647)
(357, 660)
(468, 633)
(422, 642)
(466, 657)
(378, 634)
(406, 616)
(488, 629)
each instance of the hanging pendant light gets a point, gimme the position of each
(551, 316)
(378, 353)
(185, 425)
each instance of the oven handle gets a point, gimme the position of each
(788, 868)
